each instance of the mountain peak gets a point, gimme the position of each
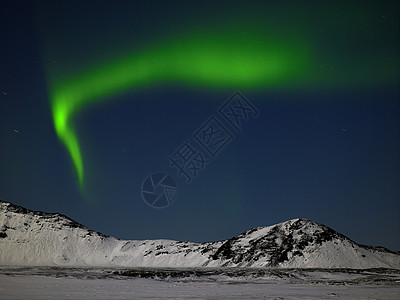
(8, 207)
(278, 243)
(37, 238)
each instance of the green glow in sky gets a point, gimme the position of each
(222, 61)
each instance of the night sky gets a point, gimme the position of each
(97, 95)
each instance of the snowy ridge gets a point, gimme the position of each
(31, 238)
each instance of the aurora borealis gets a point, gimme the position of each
(210, 60)
(259, 55)
(96, 95)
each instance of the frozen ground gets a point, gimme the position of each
(272, 262)
(89, 283)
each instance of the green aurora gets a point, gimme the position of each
(225, 61)
(233, 60)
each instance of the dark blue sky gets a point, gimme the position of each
(327, 154)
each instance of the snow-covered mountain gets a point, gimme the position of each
(32, 238)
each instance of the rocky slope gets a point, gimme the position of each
(30, 238)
